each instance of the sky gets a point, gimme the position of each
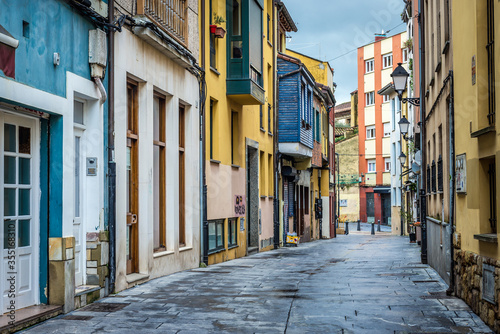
(330, 29)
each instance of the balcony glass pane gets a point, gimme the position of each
(24, 233)
(9, 202)
(10, 138)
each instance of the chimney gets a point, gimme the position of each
(379, 37)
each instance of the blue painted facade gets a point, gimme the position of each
(42, 29)
(295, 103)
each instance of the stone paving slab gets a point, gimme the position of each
(357, 283)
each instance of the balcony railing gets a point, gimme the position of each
(169, 15)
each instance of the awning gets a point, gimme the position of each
(382, 190)
(8, 45)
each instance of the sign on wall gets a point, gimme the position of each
(461, 173)
(239, 206)
(343, 203)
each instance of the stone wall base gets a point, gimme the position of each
(469, 284)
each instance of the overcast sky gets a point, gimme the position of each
(328, 29)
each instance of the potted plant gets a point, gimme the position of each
(215, 28)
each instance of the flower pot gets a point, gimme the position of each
(213, 27)
(220, 32)
(413, 237)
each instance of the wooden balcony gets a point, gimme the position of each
(169, 15)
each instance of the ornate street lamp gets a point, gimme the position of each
(403, 126)
(400, 79)
(402, 158)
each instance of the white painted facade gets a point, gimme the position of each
(91, 134)
(155, 72)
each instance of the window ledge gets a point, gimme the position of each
(233, 246)
(185, 248)
(487, 237)
(163, 253)
(214, 70)
(486, 130)
(270, 44)
(270, 197)
(215, 251)
(262, 129)
(235, 166)
(446, 47)
(263, 197)
(215, 161)
(270, 133)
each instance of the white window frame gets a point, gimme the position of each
(370, 98)
(387, 162)
(387, 98)
(373, 163)
(370, 132)
(387, 60)
(406, 55)
(369, 65)
(387, 129)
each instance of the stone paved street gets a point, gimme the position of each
(357, 283)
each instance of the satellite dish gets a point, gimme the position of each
(418, 158)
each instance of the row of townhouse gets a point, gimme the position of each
(143, 137)
(450, 150)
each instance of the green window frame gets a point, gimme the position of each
(215, 235)
(232, 235)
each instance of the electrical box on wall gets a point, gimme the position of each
(461, 174)
(91, 166)
(98, 53)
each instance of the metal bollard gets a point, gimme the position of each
(359, 225)
(373, 228)
(346, 227)
(378, 227)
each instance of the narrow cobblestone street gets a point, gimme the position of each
(357, 283)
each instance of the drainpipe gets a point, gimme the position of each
(451, 288)
(275, 143)
(203, 146)
(423, 198)
(111, 152)
(321, 217)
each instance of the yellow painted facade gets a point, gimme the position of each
(471, 109)
(230, 128)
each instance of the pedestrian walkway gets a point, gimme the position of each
(356, 283)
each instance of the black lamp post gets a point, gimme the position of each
(400, 79)
(402, 159)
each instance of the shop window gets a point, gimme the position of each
(215, 235)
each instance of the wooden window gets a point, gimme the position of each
(215, 235)
(387, 164)
(232, 235)
(132, 188)
(370, 132)
(369, 65)
(372, 166)
(182, 175)
(370, 98)
(159, 173)
(387, 60)
(405, 56)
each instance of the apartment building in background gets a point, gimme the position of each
(376, 62)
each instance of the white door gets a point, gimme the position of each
(77, 220)
(19, 195)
